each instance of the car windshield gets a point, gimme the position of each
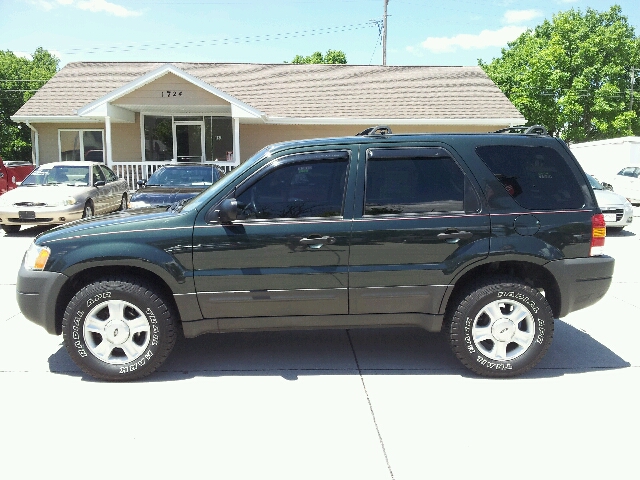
(595, 184)
(196, 175)
(58, 175)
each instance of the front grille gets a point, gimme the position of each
(618, 211)
(29, 204)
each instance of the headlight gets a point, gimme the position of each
(36, 257)
(64, 202)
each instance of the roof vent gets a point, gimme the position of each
(377, 130)
(525, 130)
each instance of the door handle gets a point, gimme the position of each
(316, 241)
(453, 236)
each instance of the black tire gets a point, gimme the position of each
(501, 327)
(11, 228)
(98, 329)
(124, 204)
(88, 209)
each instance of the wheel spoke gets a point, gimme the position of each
(493, 310)
(519, 313)
(93, 324)
(523, 339)
(131, 349)
(482, 333)
(499, 351)
(138, 324)
(116, 309)
(103, 350)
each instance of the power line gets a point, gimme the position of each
(222, 41)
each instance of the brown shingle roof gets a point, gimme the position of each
(299, 91)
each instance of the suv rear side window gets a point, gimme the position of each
(416, 181)
(312, 187)
(538, 178)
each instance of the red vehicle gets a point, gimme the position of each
(12, 173)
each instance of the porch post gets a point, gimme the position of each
(236, 141)
(107, 132)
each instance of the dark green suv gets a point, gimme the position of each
(487, 237)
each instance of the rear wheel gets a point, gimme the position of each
(88, 209)
(119, 329)
(11, 228)
(501, 327)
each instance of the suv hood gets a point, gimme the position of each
(607, 198)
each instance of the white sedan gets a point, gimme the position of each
(627, 183)
(57, 193)
(617, 210)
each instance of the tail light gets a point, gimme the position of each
(598, 234)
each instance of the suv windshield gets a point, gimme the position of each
(196, 175)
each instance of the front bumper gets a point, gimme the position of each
(618, 216)
(37, 294)
(40, 215)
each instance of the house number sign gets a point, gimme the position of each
(171, 93)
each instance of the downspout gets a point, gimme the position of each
(36, 147)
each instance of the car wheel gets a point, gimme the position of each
(88, 209)
(501, 327)
(124, 202)
(118, 329)
(11, 228)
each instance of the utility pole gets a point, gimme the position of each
(384, 34)
(633, 80)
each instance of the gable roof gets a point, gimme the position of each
(284, 93)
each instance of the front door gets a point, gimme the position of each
(287, 253)
(189, 141)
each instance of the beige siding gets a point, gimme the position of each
(155, 93)
(254, 136)
(126, 142)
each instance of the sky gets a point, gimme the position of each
(420, 32)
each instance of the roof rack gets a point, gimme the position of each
(524, 129)
(377, 130)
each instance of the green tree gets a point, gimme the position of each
(573, 75)
(20, 78)
(332, 56)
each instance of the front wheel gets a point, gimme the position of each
(123, 203)
(88, 209)
(118, 329)
(501, 328)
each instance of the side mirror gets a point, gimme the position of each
(228, 211)
(100, 183)
(141, 183)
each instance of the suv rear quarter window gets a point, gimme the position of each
(538, 178)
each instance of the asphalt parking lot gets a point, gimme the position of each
(359, 404)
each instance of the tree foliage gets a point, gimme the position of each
(20, 78)
(573, 75)
(332, 56)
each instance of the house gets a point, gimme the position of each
(136, 116)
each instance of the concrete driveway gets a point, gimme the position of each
(359, 404)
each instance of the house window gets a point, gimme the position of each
(75, 145)
(183, 138)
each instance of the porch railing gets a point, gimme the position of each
(132, 172)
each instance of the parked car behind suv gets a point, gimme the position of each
(487, 237)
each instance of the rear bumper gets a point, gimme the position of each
(582, 281)
(36, 294)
